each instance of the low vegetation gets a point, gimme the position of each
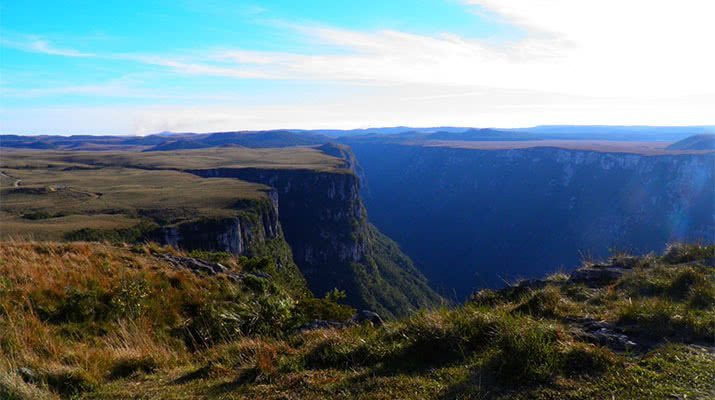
(94, 321)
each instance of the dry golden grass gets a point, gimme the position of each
(520, 347)
(290, 158)
(33, 271)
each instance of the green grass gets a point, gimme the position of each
(96, 321)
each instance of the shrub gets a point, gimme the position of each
(128, 366)
(486, 297)
(129, 299)
(82, 306)
(577, 292)
(584, 359)
(681, 253)
(702, 297)
(684, 282)
(70, 382)
(264, 264)
(660, 319)
(335, 295)
(139, 232)
(211, 256)
(220, 321)
(343, 350)
(214, 322)
(312, 308)
(37, 215)
(526, 353)
(13, 387)
(542, 303)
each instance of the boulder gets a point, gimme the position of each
(28, 375)
(367, 316)
(596, 275)
(604, 334)
(320, 324)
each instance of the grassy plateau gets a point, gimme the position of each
(46, 195)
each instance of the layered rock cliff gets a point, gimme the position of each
(255, 225)
(474, 218)
(325, 224)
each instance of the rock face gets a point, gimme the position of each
(474, 218)
(596, 276)
(325, 223)
(257, 225)
(320, 212)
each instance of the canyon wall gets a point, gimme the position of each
(476, 218)
(325, 223)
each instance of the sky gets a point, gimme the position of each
(147, 66)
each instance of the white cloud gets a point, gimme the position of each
(634, 48)
(43, 46)
(577, 62)
(35, 44)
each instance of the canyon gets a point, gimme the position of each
(474, 218)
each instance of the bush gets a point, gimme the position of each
(70, 382)
(37, 215)
(486, 297)
(137, 233)
(214, 322)
(527, 353)
(587, 360)
(542, 303)
(129, 366)
(678, 253)
(661, 319)
(263, 264)
(211, 256)
(684, 282)
(343, 351)
(312, 308)
(13, 387)
(129, 299)
(82, 306)
(702, 297)
(335, 295)
(220, 321)
(444, 336)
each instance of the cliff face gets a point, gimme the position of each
(473, 218)
(326, 226)
(255, 232)
(240, 235)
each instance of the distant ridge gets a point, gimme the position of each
(697, 142)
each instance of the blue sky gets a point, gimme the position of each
(139, 67)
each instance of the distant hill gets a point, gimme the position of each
(615, 132)
(263, 139)
(487, 134)
(181, 144)
(298, 137)
(697, 142)
(24, 142)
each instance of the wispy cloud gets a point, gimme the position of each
(577, 61)
(37, 44)
(580, 47)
